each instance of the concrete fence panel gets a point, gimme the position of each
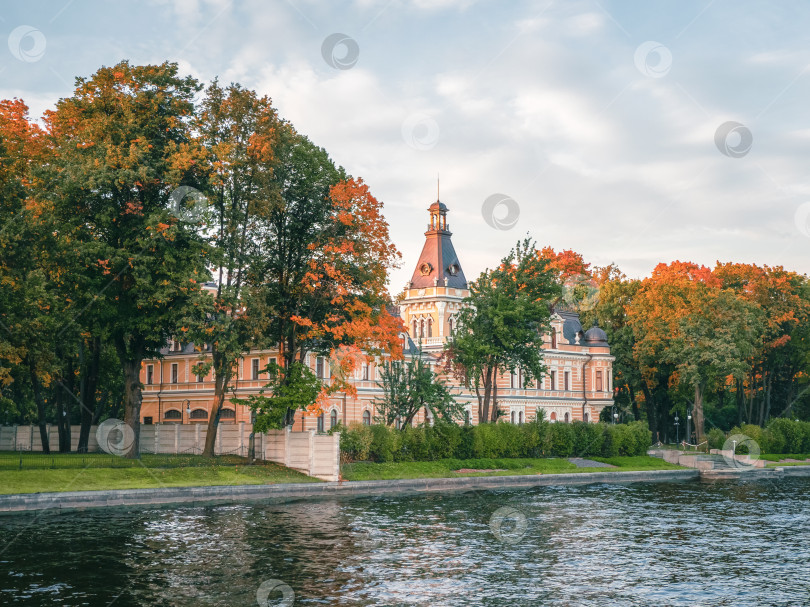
(313, 454)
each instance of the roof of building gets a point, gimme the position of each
(438, 264)
(596, 337)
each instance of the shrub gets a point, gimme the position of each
(716, 438)
(355, 441)
(588, 439)
(413, 446)
(787, 433)
(384, 443)
(444, 440)
(560, 440)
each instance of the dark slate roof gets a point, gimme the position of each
(595, 337)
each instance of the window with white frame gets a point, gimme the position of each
(150, 374)
(174, 373)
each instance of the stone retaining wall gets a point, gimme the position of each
(293, 491)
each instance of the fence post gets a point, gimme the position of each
(197, 437)
(15, 437)
(31, 438)
(311, 452)
(286, 436)
(177, 438)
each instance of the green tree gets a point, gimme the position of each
(290, 388)
(239, 131)
(411, 386)
(502, 323)
(122, 145)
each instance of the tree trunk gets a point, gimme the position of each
(223, 377)
(494, 410)
(41, 422)
(132, 406)
(87, 393)
(697, 414)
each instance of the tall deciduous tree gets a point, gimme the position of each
(682, 316)
(122, 145)
(327, 254)
(502, 323)
(239, 130)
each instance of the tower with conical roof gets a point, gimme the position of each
(433, 296)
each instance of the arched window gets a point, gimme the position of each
(333, 419)
(450, 325)
(467, 417)
(553, 338)
(415, 334)
(566, 418)
(512, 417)
(520, 417)
(430, 327)
(320, 423)
(553, 416)
(585, 418)
(172, 414)
(199, 414)
(422, 328)
(227, 414)
(366, 418)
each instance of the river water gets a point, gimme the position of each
(733, 543)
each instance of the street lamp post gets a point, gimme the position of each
(187, 407)
(677, 423)
(615, 415)
(688, 424)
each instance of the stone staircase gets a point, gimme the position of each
(717, 465)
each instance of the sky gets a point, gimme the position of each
(632, 132)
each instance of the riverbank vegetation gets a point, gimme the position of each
(87, 472)
(451, 468)
(535, 439)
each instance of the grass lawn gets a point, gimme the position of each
(143, 476)
(775, 457)
(367, 471)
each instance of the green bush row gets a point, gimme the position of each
(493, 441)
(781, 435)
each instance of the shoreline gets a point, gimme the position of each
(285, 492)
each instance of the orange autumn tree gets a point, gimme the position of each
(682, 316)
(321, 288)
(29, 305)
(579, 288)
(779, 362)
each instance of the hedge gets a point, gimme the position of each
(780, 436)
(501, 440)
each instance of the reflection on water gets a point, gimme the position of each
(734, 544)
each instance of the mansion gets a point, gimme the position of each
(578, 384)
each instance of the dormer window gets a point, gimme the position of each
(452, 269)
(425, 268)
